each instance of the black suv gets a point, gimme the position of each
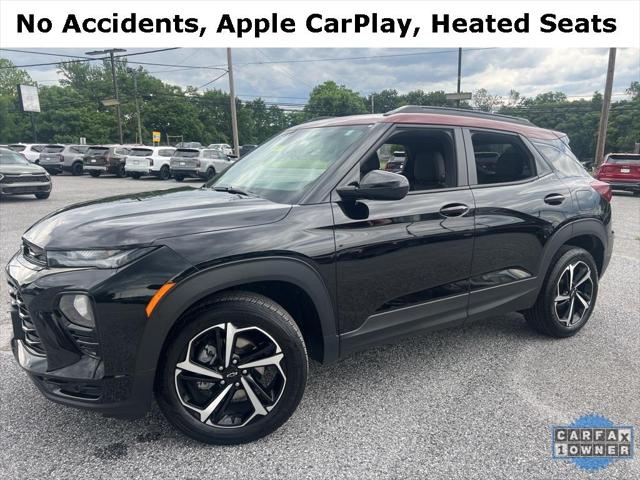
(213, 297)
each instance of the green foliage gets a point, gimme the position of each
(74, 109)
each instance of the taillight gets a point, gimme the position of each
(61, 158)
(150, 162)
(197, 163)
(603, 188)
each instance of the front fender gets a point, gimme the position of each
(209, 281)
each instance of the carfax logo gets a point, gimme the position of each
(592, 442)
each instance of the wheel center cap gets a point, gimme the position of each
(231, 373)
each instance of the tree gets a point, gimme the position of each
(484, 101)
(384, 101)
(331, 99)
(634, 90)
(11, 77)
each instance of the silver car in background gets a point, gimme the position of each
(149, 161)
(56, 158)
(20, 177)
(196, 163)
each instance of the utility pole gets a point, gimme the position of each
(372, 106)
(135, 91)
(115, 83)
(606, 104)
(232, 95)
(459, 74)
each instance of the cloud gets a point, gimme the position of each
(576, 72)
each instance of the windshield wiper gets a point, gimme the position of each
(230, 189)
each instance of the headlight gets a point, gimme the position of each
(94, 258)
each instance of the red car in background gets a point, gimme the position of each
(621, 171)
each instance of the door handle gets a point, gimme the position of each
(554, 199)
(454, 210)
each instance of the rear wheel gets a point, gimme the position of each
(568, 295)
(42, 195)
(76, 169)
(178, 178)
(210, 173)
(165, 173)
(235, 372)
(94, 173)
(121, 172)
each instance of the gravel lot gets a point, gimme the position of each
(466, 403)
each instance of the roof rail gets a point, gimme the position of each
(460, 111)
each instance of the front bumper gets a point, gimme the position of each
(24, 188)
(94, 369)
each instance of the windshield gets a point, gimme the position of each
(53, 148)
(288, 164)
(9, 157)
(140, 152)
(186, 153)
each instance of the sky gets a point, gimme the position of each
(287, 75)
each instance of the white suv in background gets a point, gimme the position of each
(224, 147)
(30, 150)
(149, 161)
(196, 163)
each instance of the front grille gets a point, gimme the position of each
(24, 178)
(33, 253)
(31, 337)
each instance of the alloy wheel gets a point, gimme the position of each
(574, 292)
(230, 375)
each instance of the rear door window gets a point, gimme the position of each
(501, 158)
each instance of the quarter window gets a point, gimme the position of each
(563, 162)
(501, 158)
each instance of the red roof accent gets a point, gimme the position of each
(437, 119)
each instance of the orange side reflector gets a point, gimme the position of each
(162, 291)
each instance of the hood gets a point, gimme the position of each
(143, 218)
(21, 168)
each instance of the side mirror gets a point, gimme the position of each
(377, 185)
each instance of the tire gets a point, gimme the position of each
(558, 312)
(76, 169)
(121, 172)
(94, 173)
(636, 193)
(276, 336)
(178, 178)
(54, 172)
(42, 195)
(210, 173)
(165, 173)
(135, 176)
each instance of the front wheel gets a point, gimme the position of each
(42, 195)
(210, 173)
(121, 172)
(135, 176)
(235, 372)
(178, 178)
(94, 173)
(568, 295)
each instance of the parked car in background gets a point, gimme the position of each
(396, 163)
(101, 159)
(246, 149)
(31, 151)
(224, 147)
(621, 171)
(57, 158)
(18, 176)
(195, 163)
(149, 161)
(189, 145)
